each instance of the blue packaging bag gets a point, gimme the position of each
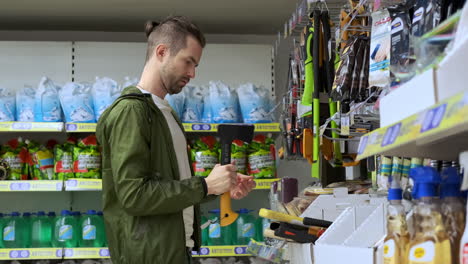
(193, 110)
(25, 104)
(177, 102)
(77, 103)
(206, 117)
(46, 103)
(255, 103)
(128, 81)
(105, 91)
(7, 105)
(224, 103)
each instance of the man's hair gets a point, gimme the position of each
(172, 31)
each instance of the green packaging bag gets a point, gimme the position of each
(205, 155)
(15, 154)
(261, 160)
(87, 159)
(239, 155)
(63, 156)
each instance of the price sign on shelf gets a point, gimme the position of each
(433, 118)
(391, 135)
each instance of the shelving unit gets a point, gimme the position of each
(81, 185)
(439, 132)
(103, 253)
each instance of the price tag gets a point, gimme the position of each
(363, 145)
(345, 125)
(433, 118)
(391, 135)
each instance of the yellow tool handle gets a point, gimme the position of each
(273, 215)
(227, 215)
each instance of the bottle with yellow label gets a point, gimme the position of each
(397, 239)
(430, 243)
(453, 209)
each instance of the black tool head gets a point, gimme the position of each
(230, 132)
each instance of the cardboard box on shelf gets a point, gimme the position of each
(412, 97)
(451, 78)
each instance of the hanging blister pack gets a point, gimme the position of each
(400, 51)
(417, 27)
(7, 105)
(379, 71)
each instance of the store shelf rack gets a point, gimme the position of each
(103, 253)
(80, 185)
(439, 132)
(91, 127)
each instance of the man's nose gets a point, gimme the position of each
(191, 73)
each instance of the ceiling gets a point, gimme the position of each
(213, 16)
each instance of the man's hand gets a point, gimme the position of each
(221, 179)
(245, 184)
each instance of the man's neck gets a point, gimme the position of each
(152, 83)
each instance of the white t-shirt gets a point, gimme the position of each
(180, 147)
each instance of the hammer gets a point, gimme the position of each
(228, 133)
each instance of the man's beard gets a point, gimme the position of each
(170, 83)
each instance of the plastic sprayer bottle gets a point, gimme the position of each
(453, 209)
(41, 231)
(397, 239)
(13, 232)
(65, 231)
(430, 243)
(245, 227)
(92, 230)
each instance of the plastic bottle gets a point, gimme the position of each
(397, 239)
(2, 224)
(27, 229)
(13, 232)
(463, 256)
(204, 231)
(260, 225)
(101, 216)
(65, 231)
(92, 230)
(41, 231)
(430, 243)
(245, 227)
(453, 209)
(214, 229)
(77, 216)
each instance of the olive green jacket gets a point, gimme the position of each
(143, 196)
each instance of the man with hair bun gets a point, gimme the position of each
(150, 197)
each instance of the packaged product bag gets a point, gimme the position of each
(207, 116)
(262, 158)
(63, 155)
(77, 103)
(379, 72)
(129, 81)
(47, 103)
(239, 155)
(7, 105)
(15, 154)
(25, 104)
(177, 102)
(224, 103)
(205, 155)
(254, 103)
(87, 158)
(193, 109)
(41, 163)
(105, 91)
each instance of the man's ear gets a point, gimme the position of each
(161, 51)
